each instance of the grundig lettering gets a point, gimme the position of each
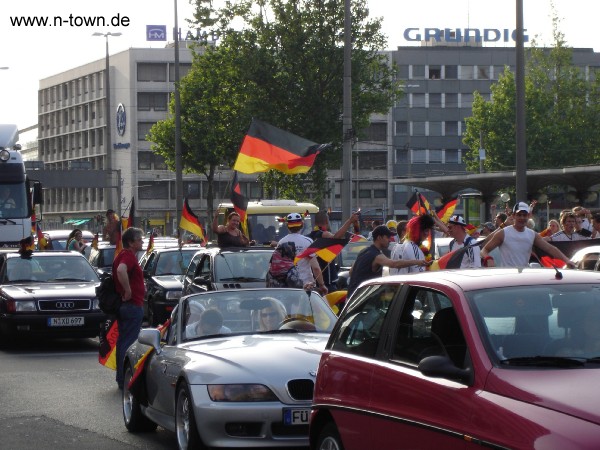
(462, 35)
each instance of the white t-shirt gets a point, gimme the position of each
(516, 248)
(472, 257)
(407, 250)
(301, 243)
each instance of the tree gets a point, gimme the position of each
(561, 108)
(283, 63)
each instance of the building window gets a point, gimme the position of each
(418, 129)
(379, 193)
(145, 160)
(183, 71)
(371, 160)
(435, 128)
(152, 72)
(402, 72)
(451, 128)
(451, 156)
(159, 162)
(435, 156)
(435, 100)
(154, 190)
(364, 193)
(451, 101)
(418, 100)
(466, 72)
(402, 156)
(376, 132)
(435, 72)
(418, 72)
(401, 128)
(451, 72)
(419, 156)
(148, 101)
(143, 130)
(466, 100)
(483, 72)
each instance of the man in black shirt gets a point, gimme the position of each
(370, 261)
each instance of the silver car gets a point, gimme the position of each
(234, 368)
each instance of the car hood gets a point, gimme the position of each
(258, 358)
(49, 290)
(170, 282)
(569, 391)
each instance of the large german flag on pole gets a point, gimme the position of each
(325, 248)
(189, 221)
(267, 147)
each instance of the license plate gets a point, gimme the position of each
(296, 416)
(65, 321)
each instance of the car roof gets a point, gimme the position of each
(47, 253)
(474, 279)
(58, 234)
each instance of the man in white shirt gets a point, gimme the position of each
(456, 229)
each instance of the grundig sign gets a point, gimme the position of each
(462, 35)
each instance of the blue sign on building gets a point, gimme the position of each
(121, 119)
(156, 32)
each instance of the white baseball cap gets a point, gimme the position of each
(521, 206)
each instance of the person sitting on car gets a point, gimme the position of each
(272, 315)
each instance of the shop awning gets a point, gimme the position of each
(76, 222)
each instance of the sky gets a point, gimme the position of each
(35, 52)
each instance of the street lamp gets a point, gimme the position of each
(107, 139)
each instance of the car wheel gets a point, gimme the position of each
(185, 421)
(135, 421)
(329, 438)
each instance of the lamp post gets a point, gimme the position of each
(178, 155)
(346, 190)
(107, 136)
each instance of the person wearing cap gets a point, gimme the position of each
(568, 222)
(393, 227)
(308, 268)
(111, 229)
(487, 229)
(370, 261)
(515, 242)
(417, 231)
(457, 230)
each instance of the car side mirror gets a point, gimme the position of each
(202, 280)
(151, 337)
(443, 367)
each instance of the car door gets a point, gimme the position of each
(202, 272)
(410, 410)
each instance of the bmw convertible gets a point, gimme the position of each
(233, 368)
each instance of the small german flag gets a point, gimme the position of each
(418, 204)
(446, 211)
(325, 248)
(267, 147)
(189, 221)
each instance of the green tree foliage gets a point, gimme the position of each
(561, 109)
(282, 62)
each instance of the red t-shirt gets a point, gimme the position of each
(136, 276)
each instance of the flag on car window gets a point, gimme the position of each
(190, 222)
(267, 147)
(150, 244)
(240, 203)
(325, 248)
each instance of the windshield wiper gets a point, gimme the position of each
(544, 361)
(5, 221)
(243, 279)
(67, 279)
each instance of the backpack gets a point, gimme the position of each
(109, 300)
(282, 271)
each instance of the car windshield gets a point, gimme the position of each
(174, 263)
(243, 265)
(255, 311)
(49, 269)
(539, 325)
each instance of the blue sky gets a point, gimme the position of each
(32, 53)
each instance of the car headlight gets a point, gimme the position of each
(240, 393)
(20, 306)
(96, 304)
(173, 295)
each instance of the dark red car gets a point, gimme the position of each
(493, 358)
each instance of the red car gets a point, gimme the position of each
(496, 358)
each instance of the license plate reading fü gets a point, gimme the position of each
(296, 416)
(65, 321)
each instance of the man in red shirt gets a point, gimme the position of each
(129, 282)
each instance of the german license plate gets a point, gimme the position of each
(296, 416)
(65, 321)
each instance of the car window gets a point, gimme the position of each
(204, 267)
(191, 270)
(428, 327)
(360, 332)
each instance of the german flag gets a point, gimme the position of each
(150, 244)
(42, 241)
(240, 203)
(446, 211)
(189, 221)
(94, 243)
(107, 351)
(418, 204)
(325, 248)
(266, 147)
(357, 238)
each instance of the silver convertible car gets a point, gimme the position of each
(233, 368)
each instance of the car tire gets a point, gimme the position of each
(185, 421)
(329, 438)
(134, 419)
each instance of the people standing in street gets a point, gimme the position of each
(370, 261)
(456, 229)
(569, 232)
(111, 229)
(417, 231)
(129, 283)
(515, 242)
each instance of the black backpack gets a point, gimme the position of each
(108, 299)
